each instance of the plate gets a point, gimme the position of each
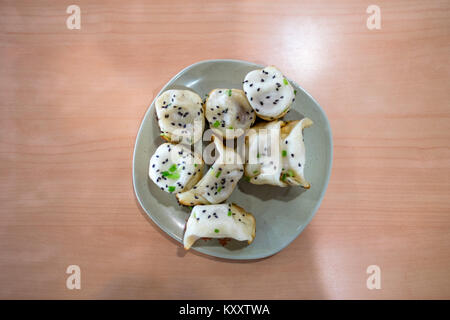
(281, 213)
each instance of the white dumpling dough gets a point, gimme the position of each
(277, 153)
(180, 116)
(175, 168)
(220, 180)
(228, 112)
(219, 221)
(270, 94)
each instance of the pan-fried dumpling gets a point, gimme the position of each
(175, 168)
(180, 116)
(228, 112)
(219, 221)
(277, 153)
(220, 180)
(270, 94)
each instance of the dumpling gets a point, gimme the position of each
(220, 180)
(180, 116)
(277, 153)
(270, 94)
(228, 112)
(219, 221)
(175, 168)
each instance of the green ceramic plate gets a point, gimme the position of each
(281, 213)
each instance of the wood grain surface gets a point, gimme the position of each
(71, 102)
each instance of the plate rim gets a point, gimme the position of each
(203, 250)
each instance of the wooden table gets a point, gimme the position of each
(71, 102)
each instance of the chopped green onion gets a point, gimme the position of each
(255, 172)
(219, 189)
(285, 81)
(229, 212)
(173, 168)
(218, 174)
(283, 177)
(258, 155)
(171, 189)
(216, 230)
(247, 178)
(169, 175)
(229, 92)
(195, 165)
(291, 173)
(284, 153)
(295, 92)
(216, 124)
(230, 127)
